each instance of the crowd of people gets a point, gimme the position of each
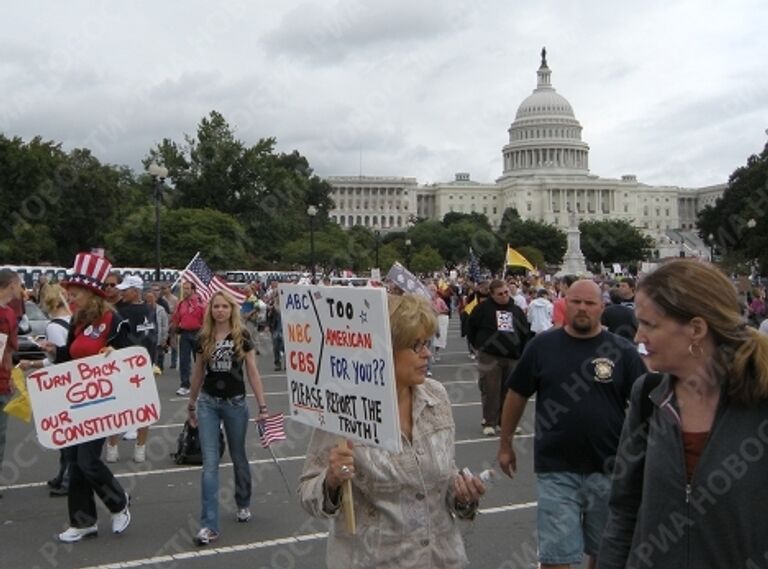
(650, 419)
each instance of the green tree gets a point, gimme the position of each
(268, 193)
(547, 238)
(426, 260)
(218, 237)
(729, 221)
(613, 241)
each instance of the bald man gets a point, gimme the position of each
(582, 376)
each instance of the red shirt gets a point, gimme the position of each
(9, 327)
(558, 314)
(89, 340)
(189, 313)
(694, 446)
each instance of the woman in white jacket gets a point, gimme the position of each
(540, 312)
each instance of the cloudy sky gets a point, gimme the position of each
(674, 91)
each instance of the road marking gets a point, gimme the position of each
(257, 461)
(208, 552)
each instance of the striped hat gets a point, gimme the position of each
(89, 272)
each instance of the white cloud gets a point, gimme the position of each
(671, 91)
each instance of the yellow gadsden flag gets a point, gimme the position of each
(515, 259)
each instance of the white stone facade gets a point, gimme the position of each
(545, 174)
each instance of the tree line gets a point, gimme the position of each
(245, 206)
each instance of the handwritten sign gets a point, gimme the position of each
(339, 362)
(93, 397)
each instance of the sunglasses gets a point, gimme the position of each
(110, 285)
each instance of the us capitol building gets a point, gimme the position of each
(545, 176)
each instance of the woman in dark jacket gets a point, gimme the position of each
(692, 463)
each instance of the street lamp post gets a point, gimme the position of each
(408, 252)
(378, 235)
(159, 174)
(751, 224)
(711, 238)
(312, 212)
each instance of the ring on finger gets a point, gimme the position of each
(344, 469)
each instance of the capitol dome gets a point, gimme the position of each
(546, 102)
(545, 134)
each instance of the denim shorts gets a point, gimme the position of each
(572, 512)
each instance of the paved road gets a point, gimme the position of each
(166, 498)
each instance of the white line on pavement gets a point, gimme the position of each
(258, 461)
(195, 553)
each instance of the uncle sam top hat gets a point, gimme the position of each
(89, 273)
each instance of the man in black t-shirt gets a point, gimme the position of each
(142, 328)
(582, 376)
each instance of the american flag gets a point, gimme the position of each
(199, 273)
(474, 266)
(271, 429)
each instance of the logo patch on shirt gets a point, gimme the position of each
(603, 370)
(504, 321)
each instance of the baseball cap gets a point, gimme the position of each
(131, 281)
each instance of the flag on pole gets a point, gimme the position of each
(474, 266)
(271, 429)
(515, 259)
(407, 281)
(207, 283)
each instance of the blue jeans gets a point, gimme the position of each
(187, 345)
(572, 513)
(233, 413)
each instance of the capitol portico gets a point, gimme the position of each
(545, 174)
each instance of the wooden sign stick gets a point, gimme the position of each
(347, 503)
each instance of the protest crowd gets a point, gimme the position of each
(645, 387)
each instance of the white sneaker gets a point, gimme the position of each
(206, 536)
(243, 515)
(489, 431)
(130, 435)
(156, 370)
(139, 453)
(182, 391)
(112, 454)
(71, 535)
(122, 519)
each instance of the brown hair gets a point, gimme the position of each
(685, 289)
(93, 310)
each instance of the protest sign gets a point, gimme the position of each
(339, 362)
(94, 397)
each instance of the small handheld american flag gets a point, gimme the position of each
(271, 429)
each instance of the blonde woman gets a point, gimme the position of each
(408, 500)
(217, 396)
(54, 302)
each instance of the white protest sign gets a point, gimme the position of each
(339, 364)
(94, 397)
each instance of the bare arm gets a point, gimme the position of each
(514, 405)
